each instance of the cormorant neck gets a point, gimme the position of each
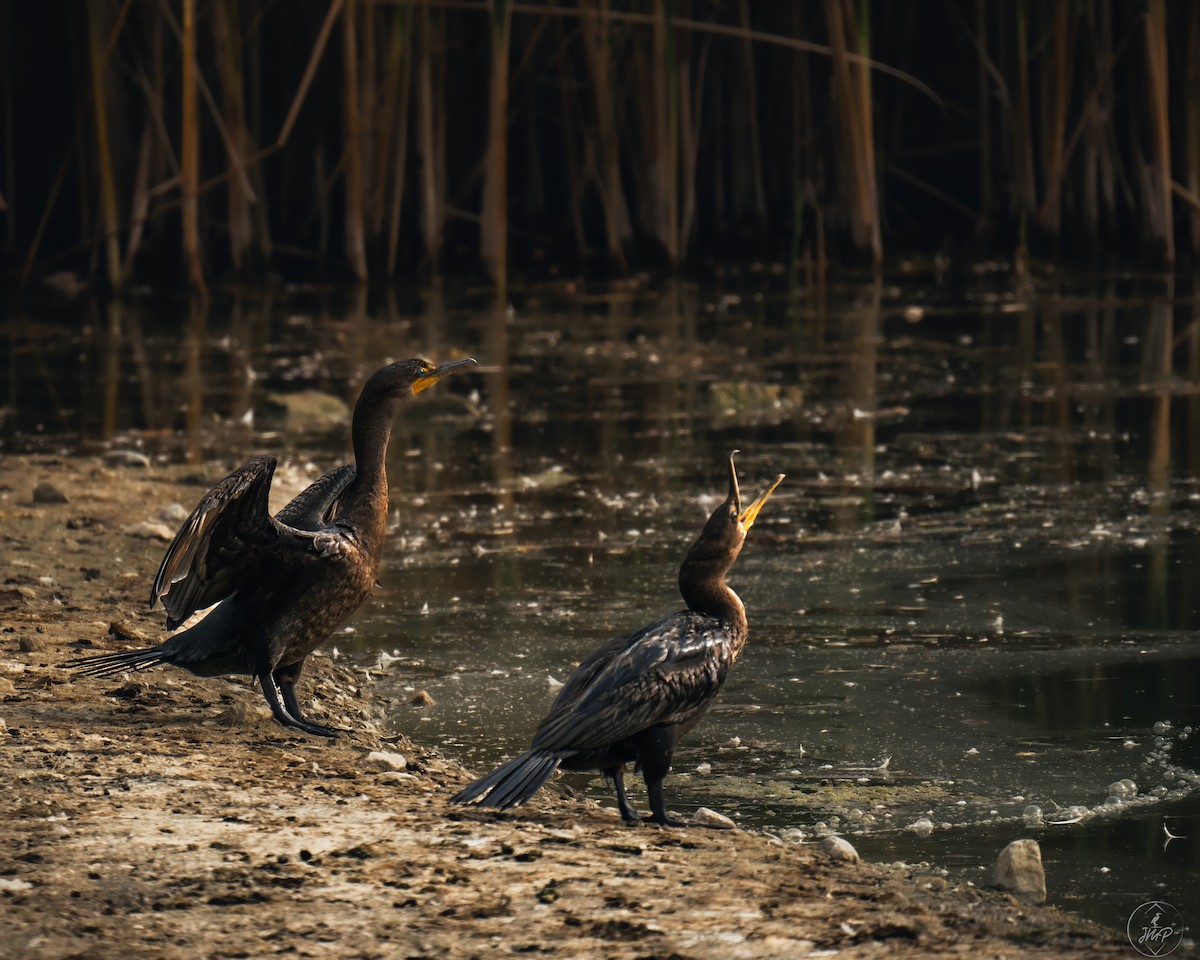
(370, 433)
(705, 591)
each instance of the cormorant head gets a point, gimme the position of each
(721, 540)
(400, 380)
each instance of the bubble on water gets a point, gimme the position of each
(1032, 815)
(791, 834)
(1122, 789)
(922, 827)
(1158, 792)
(1162, 726)
(1113, 801)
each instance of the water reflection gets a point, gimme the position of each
(987, 540)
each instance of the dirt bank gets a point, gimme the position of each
(167, 816)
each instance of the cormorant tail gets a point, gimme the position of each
(110, 664)
(510, 784)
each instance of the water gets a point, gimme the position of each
(971, 596)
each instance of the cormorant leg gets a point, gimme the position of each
(654, 748)
(617, 775)
(280, 713)
(286, 677)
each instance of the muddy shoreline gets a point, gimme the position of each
(168, 816)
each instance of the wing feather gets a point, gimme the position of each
(227, 538)
(655, 675)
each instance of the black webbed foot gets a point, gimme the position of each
(287, 712)
(316, 729)
(617, 775)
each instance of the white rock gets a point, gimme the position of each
(10, 885)
(1019, 870)
(382, 760)
(838, 848)
(704, 817)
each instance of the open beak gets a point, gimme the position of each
(747, 517)
(454, 366)
(750, 514)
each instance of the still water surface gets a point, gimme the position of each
(973, 595)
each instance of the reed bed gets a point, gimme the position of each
(209, 139)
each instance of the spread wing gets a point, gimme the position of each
(316, 505)
(654, 675)
(230, 535)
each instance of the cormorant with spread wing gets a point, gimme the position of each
(634, 698)
(282, 583)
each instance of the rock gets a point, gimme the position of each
(382, 760)
(704, 817)
(19, 592)
(243, 714)
(31, 644)
(120, 630)
(48, 493)
(1019, 870)
(6, 686)
(128, 691)
(127, 458)
(12, 885)
(422, 698)
(146, 530)
(838, 848)
(394, 776)
(173, 513)
(308, 409)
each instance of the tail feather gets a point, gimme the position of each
(512, 783)
(110, 664)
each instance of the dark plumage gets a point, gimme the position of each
(632, 700)
(283, 583)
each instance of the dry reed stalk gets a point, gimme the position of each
(140, 203)
(430, 142)
(1022, 124)
(577, 171)
(400, 52)
(984, 108)
(597, 40)
(855, 123)
(10, 147)
(108, 188)
(493, 232)
(750, 108)
(356, 249)
(1160, 212)
(228, 39)
(691, 112)
(1058, 90)
(190, 152)
(1191, 110)
(663, 175)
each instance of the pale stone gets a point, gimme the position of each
(382, 760)
(839, 848)
(704, 817)
(1019, 870)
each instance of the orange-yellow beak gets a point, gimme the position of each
(445, 370)
(750, 514)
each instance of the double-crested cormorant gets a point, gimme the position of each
(634, 698)
(283, 583)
